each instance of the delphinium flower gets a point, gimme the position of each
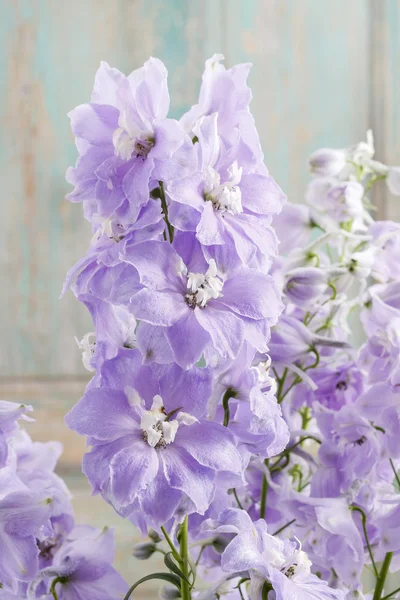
(341, 404)
(193, 275)
(125, 140)
(81, 568)
(270, 563)
(227, 203)
(201, 308)
(147, 450)
(37, 520)
(236, 406)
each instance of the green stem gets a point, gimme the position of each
(53, 586)
(291, 386)
(165, 212)
(281, 383)
(334, 291)
(317, 359)
(284, 527)
(391, 594)
(225, 404)
(288, 450)
(171, 545)
(267, 587)
(380, 584)
(237, 499)
(200, 554)
(263, 502)
(395, 473)
(364, 526)
(184, 560)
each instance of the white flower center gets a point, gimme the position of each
(226, 196)
(300, 563)
(88, 349)
(202, 288)
(158, 430)
(130, 140)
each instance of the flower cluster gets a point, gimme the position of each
(44, 554)
(243, 404)
(177, 281)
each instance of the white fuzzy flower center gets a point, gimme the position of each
(226, 196)
(158, 430)
(202, 288)
(88, 348)
(130, 140)
(300, 563)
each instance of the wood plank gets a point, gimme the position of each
(310, 78)
(385, 95)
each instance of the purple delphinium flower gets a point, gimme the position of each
(225, 91)
(228, 206)
(248, 394)
(82, 568)
(305, 285)
(290, 340)
(10, 412)
(22, 515)
(151, 449)
(327, 162)
(100, 273)
(270, 561)
(381, 320)
(115, 328)
(125, 140)
(202, 309)
(333, 539)
(386, 236)
(336, 386)
(350, 449)
(296, 219)
(337, 202)
(380, 404)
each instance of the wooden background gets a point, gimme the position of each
(324, 71)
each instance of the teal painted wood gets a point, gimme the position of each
(385, 94)
(310, 77)
(311, 83)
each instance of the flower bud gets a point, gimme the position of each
(361, 263)
(304, 285)
(168, 592)
(143, 550)
(344, 201)
(393, 180)
(153, 535)
(327, 162)
(296, 219)
(290, 340)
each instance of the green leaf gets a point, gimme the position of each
(171, 565)
(173, 579)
